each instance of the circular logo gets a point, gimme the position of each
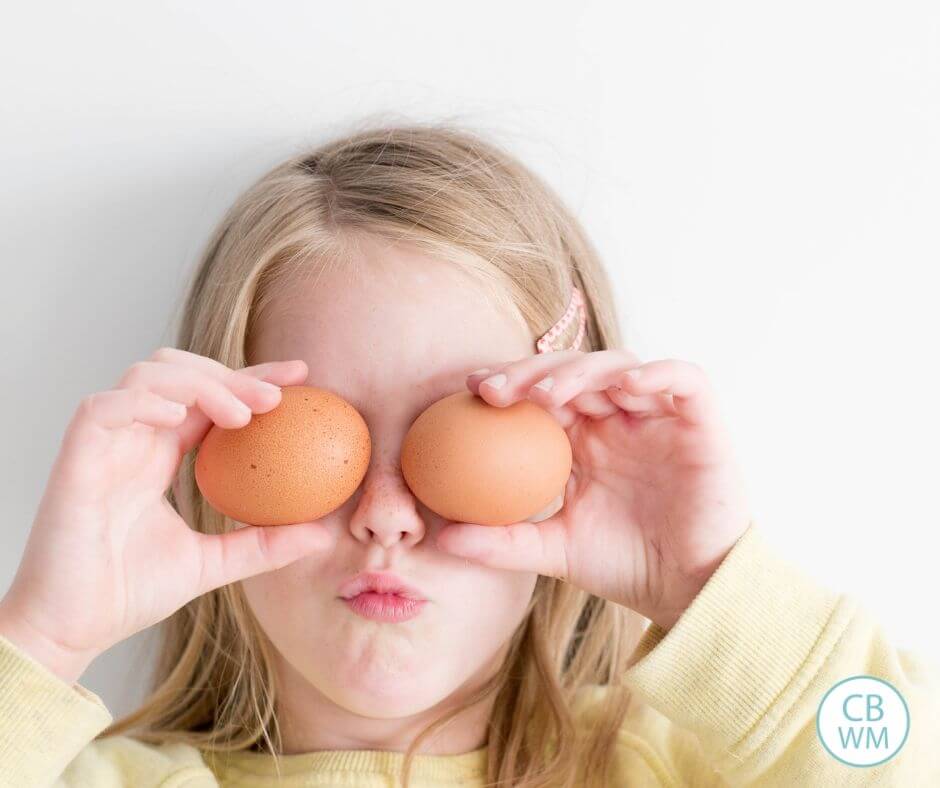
(863, 721)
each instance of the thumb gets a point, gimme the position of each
(252, 549)
(526, 547)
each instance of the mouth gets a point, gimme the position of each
(382, 597)
(379, 583)
(385, 607)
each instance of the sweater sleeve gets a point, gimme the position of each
(744, 669)
(47, 737)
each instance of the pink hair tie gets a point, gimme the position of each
(575, 307)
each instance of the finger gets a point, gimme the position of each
(122, 407)
(549, 511)
(211, 400)
(250, 384)
(600, 405)
(641, 406)
(245, 383)
(281, 373)
(566, 416)
(507, 383)
(253, 549)
(594, 404)
(687, 383)
(193, 387)
(278, 373)
(526, 547)
(592, 372)
(183, 504)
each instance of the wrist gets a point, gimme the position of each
(685, 590)
(666, 618)
(669, 607)
(65, 663)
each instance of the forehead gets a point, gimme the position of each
(392, 322)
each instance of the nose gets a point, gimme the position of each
(386, 512)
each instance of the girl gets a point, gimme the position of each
(395, 267)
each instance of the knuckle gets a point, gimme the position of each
(165, 353)
(135, 373)
(561, 569)
(89, 405)
(564, 568)
(208, 556)
(138, 397)
(630, 357)
(263, 540)
(549, 398)
(232, 377)
(496, 369)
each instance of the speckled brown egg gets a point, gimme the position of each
(295, 463)
(470, 461)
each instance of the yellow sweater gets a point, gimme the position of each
(728, 696)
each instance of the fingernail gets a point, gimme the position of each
(634, 373)
(479, 372)
(549, 510)
(545, 383)
(496, 382)
(269, 386)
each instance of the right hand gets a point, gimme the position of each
(107, 555)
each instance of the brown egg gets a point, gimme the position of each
(295, 463)
(474, 462)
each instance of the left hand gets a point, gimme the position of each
(655, 500)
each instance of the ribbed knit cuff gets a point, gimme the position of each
(44, 722)
(741, 653)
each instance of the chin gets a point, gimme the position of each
(383, 696)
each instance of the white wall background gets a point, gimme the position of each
(763, 180)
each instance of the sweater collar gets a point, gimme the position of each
(465, 766)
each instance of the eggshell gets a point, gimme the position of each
(470, 461)
(293, 464)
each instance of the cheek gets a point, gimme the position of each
(493, 601)
(285, 601)
(480, 614)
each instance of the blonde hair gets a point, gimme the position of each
(448, 191)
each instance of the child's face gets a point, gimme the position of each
(391, 340)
